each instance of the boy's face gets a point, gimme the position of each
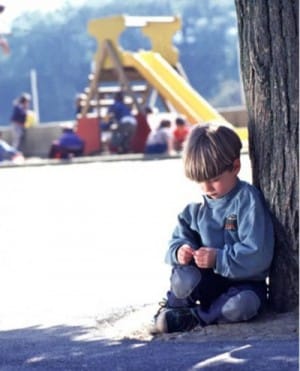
(219, 186)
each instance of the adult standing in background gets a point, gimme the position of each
(18, 119)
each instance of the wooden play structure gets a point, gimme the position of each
(143, 77)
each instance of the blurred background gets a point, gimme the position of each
(51, 51)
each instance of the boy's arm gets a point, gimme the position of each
(250, 256)
(184, 233)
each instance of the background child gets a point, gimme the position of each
(9, 153)
(68, 145)
(180, 133)
(126, 124)
(159, 141)
(221, 248)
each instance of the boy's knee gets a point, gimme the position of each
(241, 307)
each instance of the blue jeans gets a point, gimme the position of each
(219, 299)
(18, 135)
(158, 148)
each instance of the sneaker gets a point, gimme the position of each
(152, 326)
(175, 320)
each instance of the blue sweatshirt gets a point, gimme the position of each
(120, 110)
(238, 225)
(19, 114)
(70, 140)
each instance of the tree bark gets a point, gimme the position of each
(268, 35)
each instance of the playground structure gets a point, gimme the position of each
(143, 76)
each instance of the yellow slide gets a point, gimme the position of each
(173, 87)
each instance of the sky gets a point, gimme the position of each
(14, 8)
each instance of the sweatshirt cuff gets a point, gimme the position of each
(218, 264)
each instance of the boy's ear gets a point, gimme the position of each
(236, 165)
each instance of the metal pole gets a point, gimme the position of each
(34, 92)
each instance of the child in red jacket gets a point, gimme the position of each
(180, 133)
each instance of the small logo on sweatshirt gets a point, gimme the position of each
(231, 223)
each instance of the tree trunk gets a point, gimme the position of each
(268, 35)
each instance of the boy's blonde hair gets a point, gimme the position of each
(209, 151)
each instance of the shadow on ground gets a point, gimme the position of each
(82, 348)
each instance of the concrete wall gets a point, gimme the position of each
(237, 116)
(39, 138)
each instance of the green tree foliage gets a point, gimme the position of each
(57, 45)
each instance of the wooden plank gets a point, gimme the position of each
(94, 83)
(115, 89)
(108, 102)
(121, 74)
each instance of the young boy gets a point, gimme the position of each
(221, 248)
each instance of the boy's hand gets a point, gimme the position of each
(205, 257)
(184, 254)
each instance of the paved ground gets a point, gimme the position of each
(81, 242)
(61, 348)
(80, 239)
